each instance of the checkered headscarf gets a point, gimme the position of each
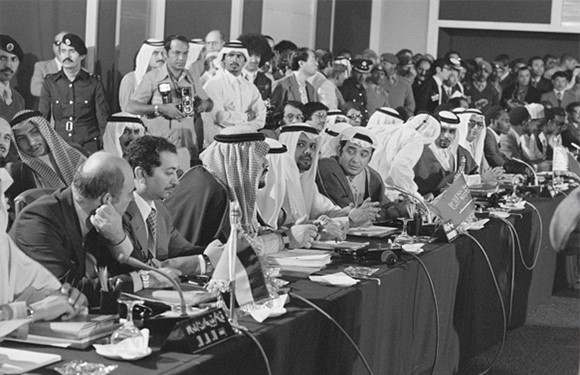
(236, 160)
(66, 158)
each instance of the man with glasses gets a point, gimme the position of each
(44, 68)
(431, 94)
(315, 114)
(11, 102)
(75, 98)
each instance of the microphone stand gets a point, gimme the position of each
(412, 197)
(141, 265)
(530, 167)
(235, 220)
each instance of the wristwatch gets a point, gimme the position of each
(156, 108)
(208, 265)
(285, 239)
(144, 279)
(29, 312)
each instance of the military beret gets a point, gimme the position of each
(8, 44)
(76, 42)
(362, 65)
(389, 57)
(378, 67)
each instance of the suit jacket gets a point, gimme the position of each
(428, 98)
(493, 155)
(169, 244)
(569, 136)
(543, 85)
(430, 177)
(264, 85)
(567, 98)
(532, 96)
(287, 89)
(49, 232)
(41, 70)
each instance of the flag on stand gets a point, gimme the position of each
(250, 285)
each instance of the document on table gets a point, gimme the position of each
(15, 361)
(9, 326)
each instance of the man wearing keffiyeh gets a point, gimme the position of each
(47, 161)
(233, 169)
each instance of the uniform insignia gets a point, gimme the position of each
(67, 42)
(9, 47)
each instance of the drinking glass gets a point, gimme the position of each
(128, 329)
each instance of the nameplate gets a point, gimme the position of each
(199, 332)
(455, 204)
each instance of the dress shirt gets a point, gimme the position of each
(6, 93)
(302, 89)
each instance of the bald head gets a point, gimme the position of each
(214, 41)
(4, 137)
(105, 176)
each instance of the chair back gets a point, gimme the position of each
(26, 197)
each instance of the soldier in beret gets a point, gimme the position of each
(75, 98)
(353, 89)
(11, 102)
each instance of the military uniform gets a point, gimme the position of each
(79, 108)
(353, 91)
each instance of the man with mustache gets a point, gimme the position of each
(156, 241)
(160, 97)
(150, 56)
(237, 101)
(11, 102)
(443, 159)
(5, 133)
(122, 129)
(44, 68)
(75, 98)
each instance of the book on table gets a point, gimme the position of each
(77, 328)
(16, 361)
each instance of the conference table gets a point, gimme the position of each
(391, 318)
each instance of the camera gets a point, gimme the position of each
(186, 106)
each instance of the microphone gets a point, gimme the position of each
(530, 167)
(575, 146)
(412, 197)
(135, 263)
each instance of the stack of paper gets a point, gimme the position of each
(79, 327)
(301, 260)
(372, 231)
(15, 361)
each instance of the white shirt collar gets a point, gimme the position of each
(144, 207)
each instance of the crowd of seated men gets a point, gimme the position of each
(309, 143)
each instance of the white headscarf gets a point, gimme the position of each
(269, 199)
(232, 45)
(236, 160)
(143, 57)
(21, 278)
(330, 132)
(403, 149)
(116, 125)
(195, 48)
(475, 148)
(302, 193)
(448, 120)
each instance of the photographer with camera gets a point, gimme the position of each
(170, 99)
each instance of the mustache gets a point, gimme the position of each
(67, 59)
(7, 70)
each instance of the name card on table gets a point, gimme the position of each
(454, 205)
(199, 332)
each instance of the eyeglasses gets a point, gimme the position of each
(321, 116)
(475, 124)
(292, 117)
(354, 117)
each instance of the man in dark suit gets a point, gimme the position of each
(559, 96)
(79, 227)
(520, 92)
(431, 94)
(538, 69)
(571, 135)
(498, 123)
(155, 162)
(295, 86)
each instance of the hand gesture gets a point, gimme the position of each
(108, 223)
(301, 234)
(365, 213)
(170, 111)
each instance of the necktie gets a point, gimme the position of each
(6, 97)
(559, 97)
(152, 228)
